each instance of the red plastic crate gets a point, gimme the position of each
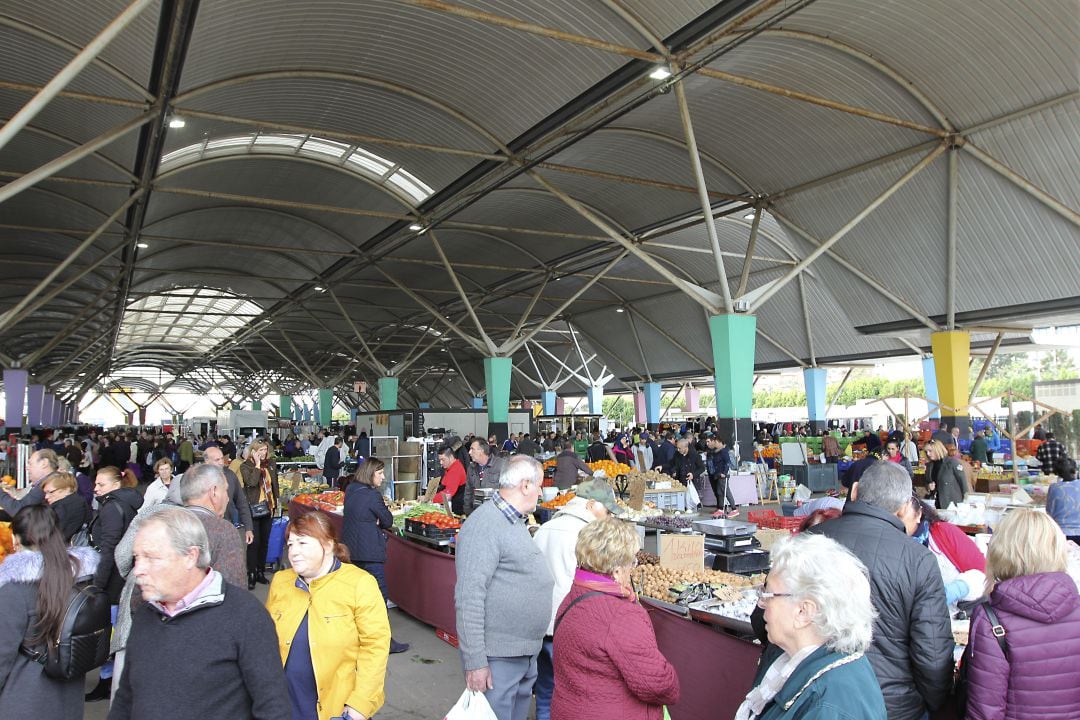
(782, 523)
(756, 516)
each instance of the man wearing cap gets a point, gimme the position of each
(557, 539)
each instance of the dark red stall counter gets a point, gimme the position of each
(715, 668)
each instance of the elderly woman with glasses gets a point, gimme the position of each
(819, 616)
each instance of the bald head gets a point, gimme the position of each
(213, 456)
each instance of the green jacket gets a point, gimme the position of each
(825, 686)
(979, 450)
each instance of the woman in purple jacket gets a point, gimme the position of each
(1038, 606)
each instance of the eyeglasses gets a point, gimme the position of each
(764, 595)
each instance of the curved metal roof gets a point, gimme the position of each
(376, 184)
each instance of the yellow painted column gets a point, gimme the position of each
(952, 354)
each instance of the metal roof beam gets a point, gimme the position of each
(1024, 184)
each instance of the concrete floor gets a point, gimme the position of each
(421, 684)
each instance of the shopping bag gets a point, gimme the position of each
(692, 497)
(472, 705)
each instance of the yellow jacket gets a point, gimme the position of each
(349, 634)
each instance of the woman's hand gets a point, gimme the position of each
(352, 714)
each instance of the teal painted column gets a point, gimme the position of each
(388, 390)
(652, 404)
(814, 379)
(285, 406)
(929, 376)
(326, 406)
(548, 399)
(497, 381)
(733, 342)
(596, 400)
(256, 404)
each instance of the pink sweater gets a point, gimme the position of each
(607, 665)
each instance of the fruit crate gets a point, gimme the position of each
(769, 519)
(429, 531)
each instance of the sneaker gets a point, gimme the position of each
(101, 691)
(719, 514)
(731, 514)
(390, 605)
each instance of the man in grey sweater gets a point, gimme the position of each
(498, 566)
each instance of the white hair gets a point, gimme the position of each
(185, 531)
(520, 468)
(197, 481)
(817, 568)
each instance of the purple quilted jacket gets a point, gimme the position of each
(1041, 678)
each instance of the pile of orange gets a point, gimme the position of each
(558, 501)
(6, 543)
(611, 469)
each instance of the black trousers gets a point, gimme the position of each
(256, 551)
(722, 480)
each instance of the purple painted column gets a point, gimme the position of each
(15, 392)
(48, 410)
(35, 399)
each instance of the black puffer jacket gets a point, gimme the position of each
(115, 512)
(912, 649)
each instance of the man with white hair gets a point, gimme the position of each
(197, 637)
(238, 511)
(912, 647)
(500, 630)
(204, 491)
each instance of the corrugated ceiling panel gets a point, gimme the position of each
(975, 61)
(30, 149)
(393, 42)
(772, 142)
(78, 23)
(1043, 147)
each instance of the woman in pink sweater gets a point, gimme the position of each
(607, 665)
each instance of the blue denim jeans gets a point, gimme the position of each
(545, 681)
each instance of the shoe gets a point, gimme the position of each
(251, 581)
(719, 514)
(101, 691)
(390, 605)
(731, 514)
(261, 578)
(397, 647)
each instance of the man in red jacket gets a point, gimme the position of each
(452, 484)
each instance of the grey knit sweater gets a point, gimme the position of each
(503, 591)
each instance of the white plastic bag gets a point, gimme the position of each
(802, 493)
(472, 705)
(692, 498)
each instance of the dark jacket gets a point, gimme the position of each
(115, 512)
(332, 463)
(598, 451)
(366, 516)
(73, 513)
(1041, 677)
(951, 481)
(912, 649)
(689, 464)
(251, 478)
(238, 511)
(826, 685)
(481, 477)
(718, 462)
(25, 690)
(223, 649)
(664, 456)
(567, 465)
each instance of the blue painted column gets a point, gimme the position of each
(929, 376)
(547, 397)
(652, 404)
(425, 406)
(15, 394)
(326, 406)
(35, 400)
(388, 393)
(814, 379)
(478, 403)
(596, 400)
(497, 381)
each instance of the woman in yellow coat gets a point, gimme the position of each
(332, 627)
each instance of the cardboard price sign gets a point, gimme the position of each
(682, 552)
(637, 492)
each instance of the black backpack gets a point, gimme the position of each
(84, 635)
(961, 687)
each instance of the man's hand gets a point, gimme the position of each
(353, 714)
(479, 679)
(249, 537)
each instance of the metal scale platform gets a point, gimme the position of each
(730, 546)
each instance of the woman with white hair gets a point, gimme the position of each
(817, 606)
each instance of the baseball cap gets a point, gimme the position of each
(601, 492)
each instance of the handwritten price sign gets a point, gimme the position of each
(682, 552)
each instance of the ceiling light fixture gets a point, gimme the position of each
(415, 227)
(660, 73)
(176, 123)
(319, 288)
(619, 309)
(748, 217)
(141, 246)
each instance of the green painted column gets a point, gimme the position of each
(326, 406)
(733, 342)
(285, 406)
(497, 381)
(388, 392)
(256, 404)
